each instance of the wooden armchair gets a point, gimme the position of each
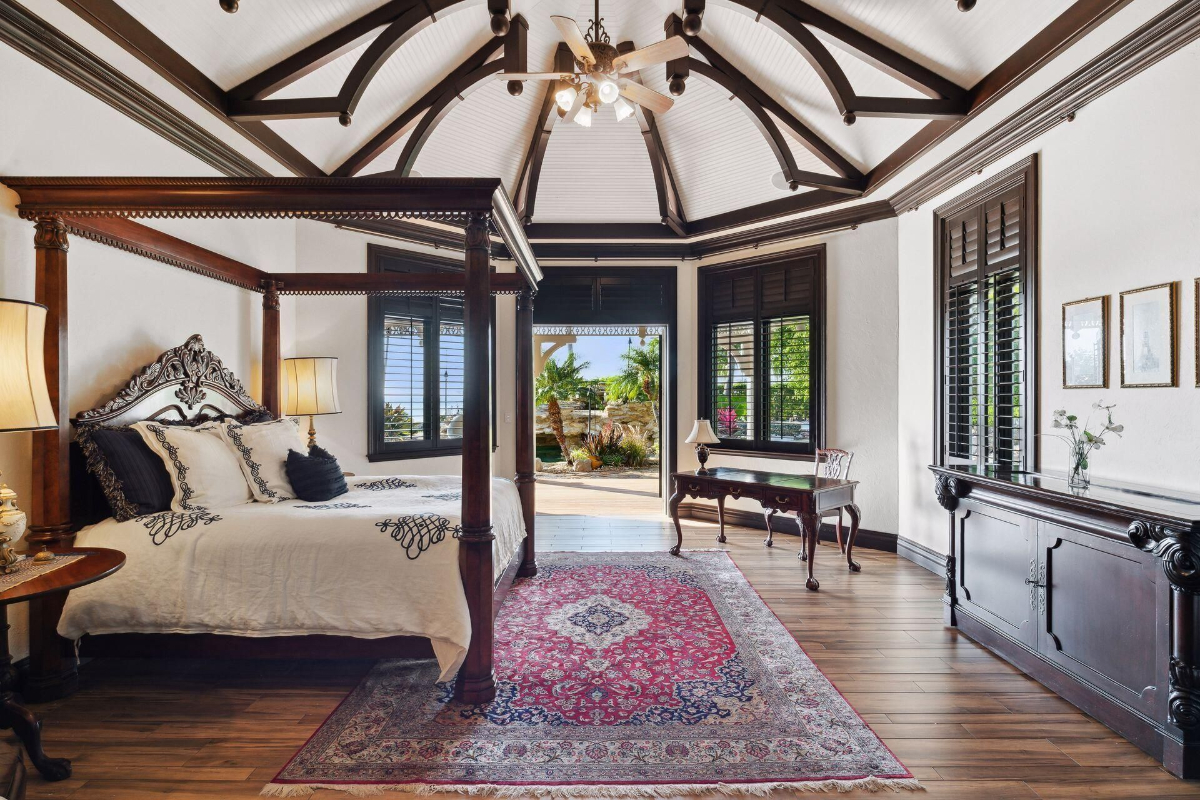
(831, 463)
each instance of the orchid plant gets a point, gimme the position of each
(1082, 440)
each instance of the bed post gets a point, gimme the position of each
(476, 682)
(526, 479)
(51, 675)
(270, 349)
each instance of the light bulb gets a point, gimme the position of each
(566, 98)
(608, 90)
(584, 117)
(623, 108)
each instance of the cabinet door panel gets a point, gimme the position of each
(995, 558)
(1098, 611)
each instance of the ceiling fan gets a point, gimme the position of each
(602, 76)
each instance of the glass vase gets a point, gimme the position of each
(1077, 476)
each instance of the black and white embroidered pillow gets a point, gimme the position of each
(263, 450)
(205, 472)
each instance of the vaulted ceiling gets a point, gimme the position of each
(764, 94)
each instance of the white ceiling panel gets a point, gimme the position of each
(229, 48)
(721, 161)
(596, 174)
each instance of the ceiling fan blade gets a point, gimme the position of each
(580, 101)
(666, 50)
(658, 103)
(574, 39)
(535, 76)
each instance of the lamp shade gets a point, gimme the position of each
(24, 402)
(702, 433)
(311, 386)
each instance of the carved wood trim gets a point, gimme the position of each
(191, 367)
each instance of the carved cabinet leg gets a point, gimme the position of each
(810, 524)
(855, 516)
(676, 499)
(721, 518)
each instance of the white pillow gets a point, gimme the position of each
(263, 448)
(205, 471)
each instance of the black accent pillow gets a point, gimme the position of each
(315, 477)
(131, 475)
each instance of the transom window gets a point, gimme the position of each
(761, 359)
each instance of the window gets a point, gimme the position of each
(986, 278)
(761, 382)
(416, 365)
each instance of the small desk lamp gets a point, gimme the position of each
(24, 405)
(311, 389)
(702, 435)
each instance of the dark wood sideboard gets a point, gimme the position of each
(1094, 593)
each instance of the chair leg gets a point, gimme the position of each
(841, 544)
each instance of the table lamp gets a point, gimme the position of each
(24, 405)
(311, 389)
(702, 435)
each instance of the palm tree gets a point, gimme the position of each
(638, 379)
(560, 382)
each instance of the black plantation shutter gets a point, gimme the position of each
(983, 322)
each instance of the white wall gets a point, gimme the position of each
(124, 310)
(337, 326)
(1120, 209)
(861, 362)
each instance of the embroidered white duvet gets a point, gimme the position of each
(381, 560)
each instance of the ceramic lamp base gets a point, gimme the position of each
(702, 457)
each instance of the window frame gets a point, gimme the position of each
(389, 259)
(759, 445)
(1023, 174)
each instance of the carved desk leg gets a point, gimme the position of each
(855, 516)
(770, 541)
(676, 499)
(21, 720)
(810, 523)
(721, 517)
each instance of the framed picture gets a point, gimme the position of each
(1148, 337)
(1085, 344)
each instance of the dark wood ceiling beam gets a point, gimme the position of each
(791, 18)
(738, 87)
(525, 197)
(408, 24)
(813, 141)
(403, 122)
(322, 52)
(123, 29)
(670, 207)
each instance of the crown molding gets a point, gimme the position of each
(46, 45)
(1166, 33)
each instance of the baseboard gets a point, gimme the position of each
(789, 525)
(921, 555)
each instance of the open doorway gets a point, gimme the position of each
(618, 411)
(599, 415)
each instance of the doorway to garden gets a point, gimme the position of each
(604, 366)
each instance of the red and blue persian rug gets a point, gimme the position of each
(618, 675)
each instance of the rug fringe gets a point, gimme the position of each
(583, 792)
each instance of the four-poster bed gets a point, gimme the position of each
(101, 209)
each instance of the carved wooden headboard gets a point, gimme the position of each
(183, 383)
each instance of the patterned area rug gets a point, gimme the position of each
(618, 675)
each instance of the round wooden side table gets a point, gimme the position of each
(96, 563)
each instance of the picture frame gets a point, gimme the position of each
(1085, 343)
(1148, 337)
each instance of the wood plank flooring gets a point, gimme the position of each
(965, 722)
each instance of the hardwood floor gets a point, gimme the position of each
(965, 722)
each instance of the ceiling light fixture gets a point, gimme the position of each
(623, 108)
(607, 90)
(584, 117)
(566, 97)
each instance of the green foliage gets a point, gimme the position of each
(561, 382)
(635, 451)
(638, 379)
(398, 423)
(605, 444)
(579, 454)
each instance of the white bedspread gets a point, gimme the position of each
(379, 561)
